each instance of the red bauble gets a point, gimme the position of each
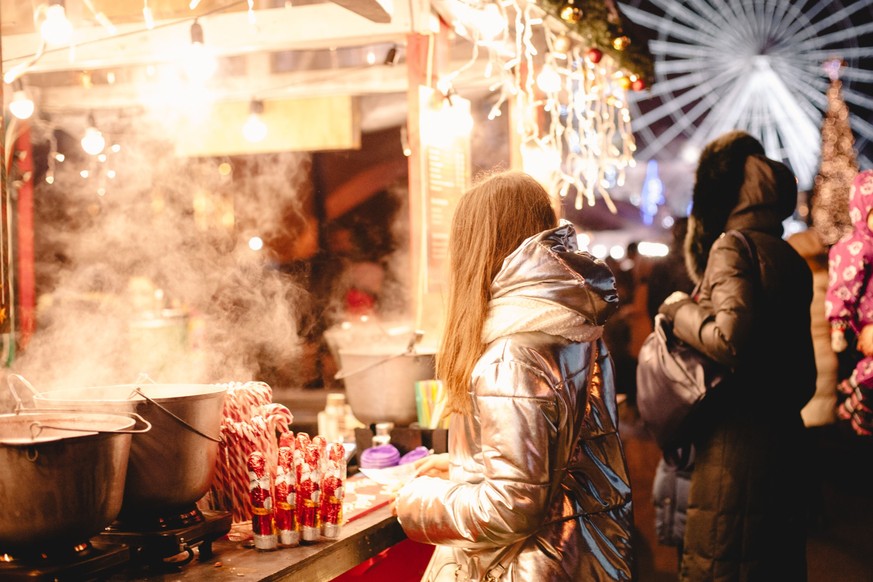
(638, 85)
(594, 55)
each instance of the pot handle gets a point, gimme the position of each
(410, 349)
(36, 427)
(138, 391)
(342, 374)
(25, 383)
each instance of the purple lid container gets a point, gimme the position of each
(380, 457)
(414, 455)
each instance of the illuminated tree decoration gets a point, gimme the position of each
(830, 204)
(599, 24)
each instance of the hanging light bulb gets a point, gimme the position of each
(56, 28)
(200, 64)
(93, 141)
(254, 129)
(147, 15)
(21, 105)
(549, 80)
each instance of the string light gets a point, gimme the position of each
(254, 129)
(56, 28)
(21, 105)
(93, 141)
(147, 15)
(200, 64)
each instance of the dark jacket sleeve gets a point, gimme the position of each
(720, 323)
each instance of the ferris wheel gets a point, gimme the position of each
(754, 65)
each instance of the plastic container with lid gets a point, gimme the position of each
(414, 455)
(380, 457)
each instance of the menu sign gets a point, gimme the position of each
(445, 145)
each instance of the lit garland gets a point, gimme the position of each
(584, 141)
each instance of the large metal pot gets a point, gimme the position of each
(380, 386)
(62, 476)
(171, 466)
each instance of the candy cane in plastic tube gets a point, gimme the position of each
(286, 499)
(262, 503)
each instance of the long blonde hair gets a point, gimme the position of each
(491, 220)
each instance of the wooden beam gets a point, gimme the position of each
(317, 124)
(225, 34)
(375, 10)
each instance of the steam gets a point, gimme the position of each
(150, 272)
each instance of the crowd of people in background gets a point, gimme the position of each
(823, 431)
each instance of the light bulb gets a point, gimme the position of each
(549, 80)
(21, 105)
(254, 129)
(56, 29)
(200, 63)
(93, 142)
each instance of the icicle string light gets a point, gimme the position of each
(579, 129)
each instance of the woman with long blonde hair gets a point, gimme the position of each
(535, 485)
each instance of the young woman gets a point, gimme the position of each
(536, 484)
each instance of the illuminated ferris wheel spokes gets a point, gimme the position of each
(757, 66)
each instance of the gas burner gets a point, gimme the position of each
(84, 561)
(159, 544)
(151, 523)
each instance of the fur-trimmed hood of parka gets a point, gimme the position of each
(736, 187)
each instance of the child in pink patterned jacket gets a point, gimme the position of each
(849, 301)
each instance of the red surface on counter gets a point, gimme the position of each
(403, 562)
(362, 496)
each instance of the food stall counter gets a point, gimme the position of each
(369, 528)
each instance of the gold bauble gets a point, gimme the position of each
(561, 44)
(620, 43)
(571, 13)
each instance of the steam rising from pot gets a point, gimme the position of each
(148, 226)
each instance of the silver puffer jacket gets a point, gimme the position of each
(538, 487)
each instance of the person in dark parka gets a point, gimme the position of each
(746, 518)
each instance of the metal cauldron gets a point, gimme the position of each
(173, 465)
(380, 387)
(62, 475)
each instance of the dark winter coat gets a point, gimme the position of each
(745, 515)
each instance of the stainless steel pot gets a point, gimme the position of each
(62, 475)
(380, 386)
(171, 466)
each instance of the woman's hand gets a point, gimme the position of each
(430, 466)
(433, 466)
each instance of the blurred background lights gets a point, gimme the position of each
(256, 243)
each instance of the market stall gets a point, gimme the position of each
(183, 222)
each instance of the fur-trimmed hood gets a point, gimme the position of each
(736, 187)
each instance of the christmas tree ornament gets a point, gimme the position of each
(621, 43)
(594, 55)
(571, 13)
(561, 45)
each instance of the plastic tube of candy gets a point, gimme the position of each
(262, 502)
(286, 499)
(333, 491)
(308, 492)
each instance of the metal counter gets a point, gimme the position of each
(360, 539)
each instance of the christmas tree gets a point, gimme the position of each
(830, 203)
